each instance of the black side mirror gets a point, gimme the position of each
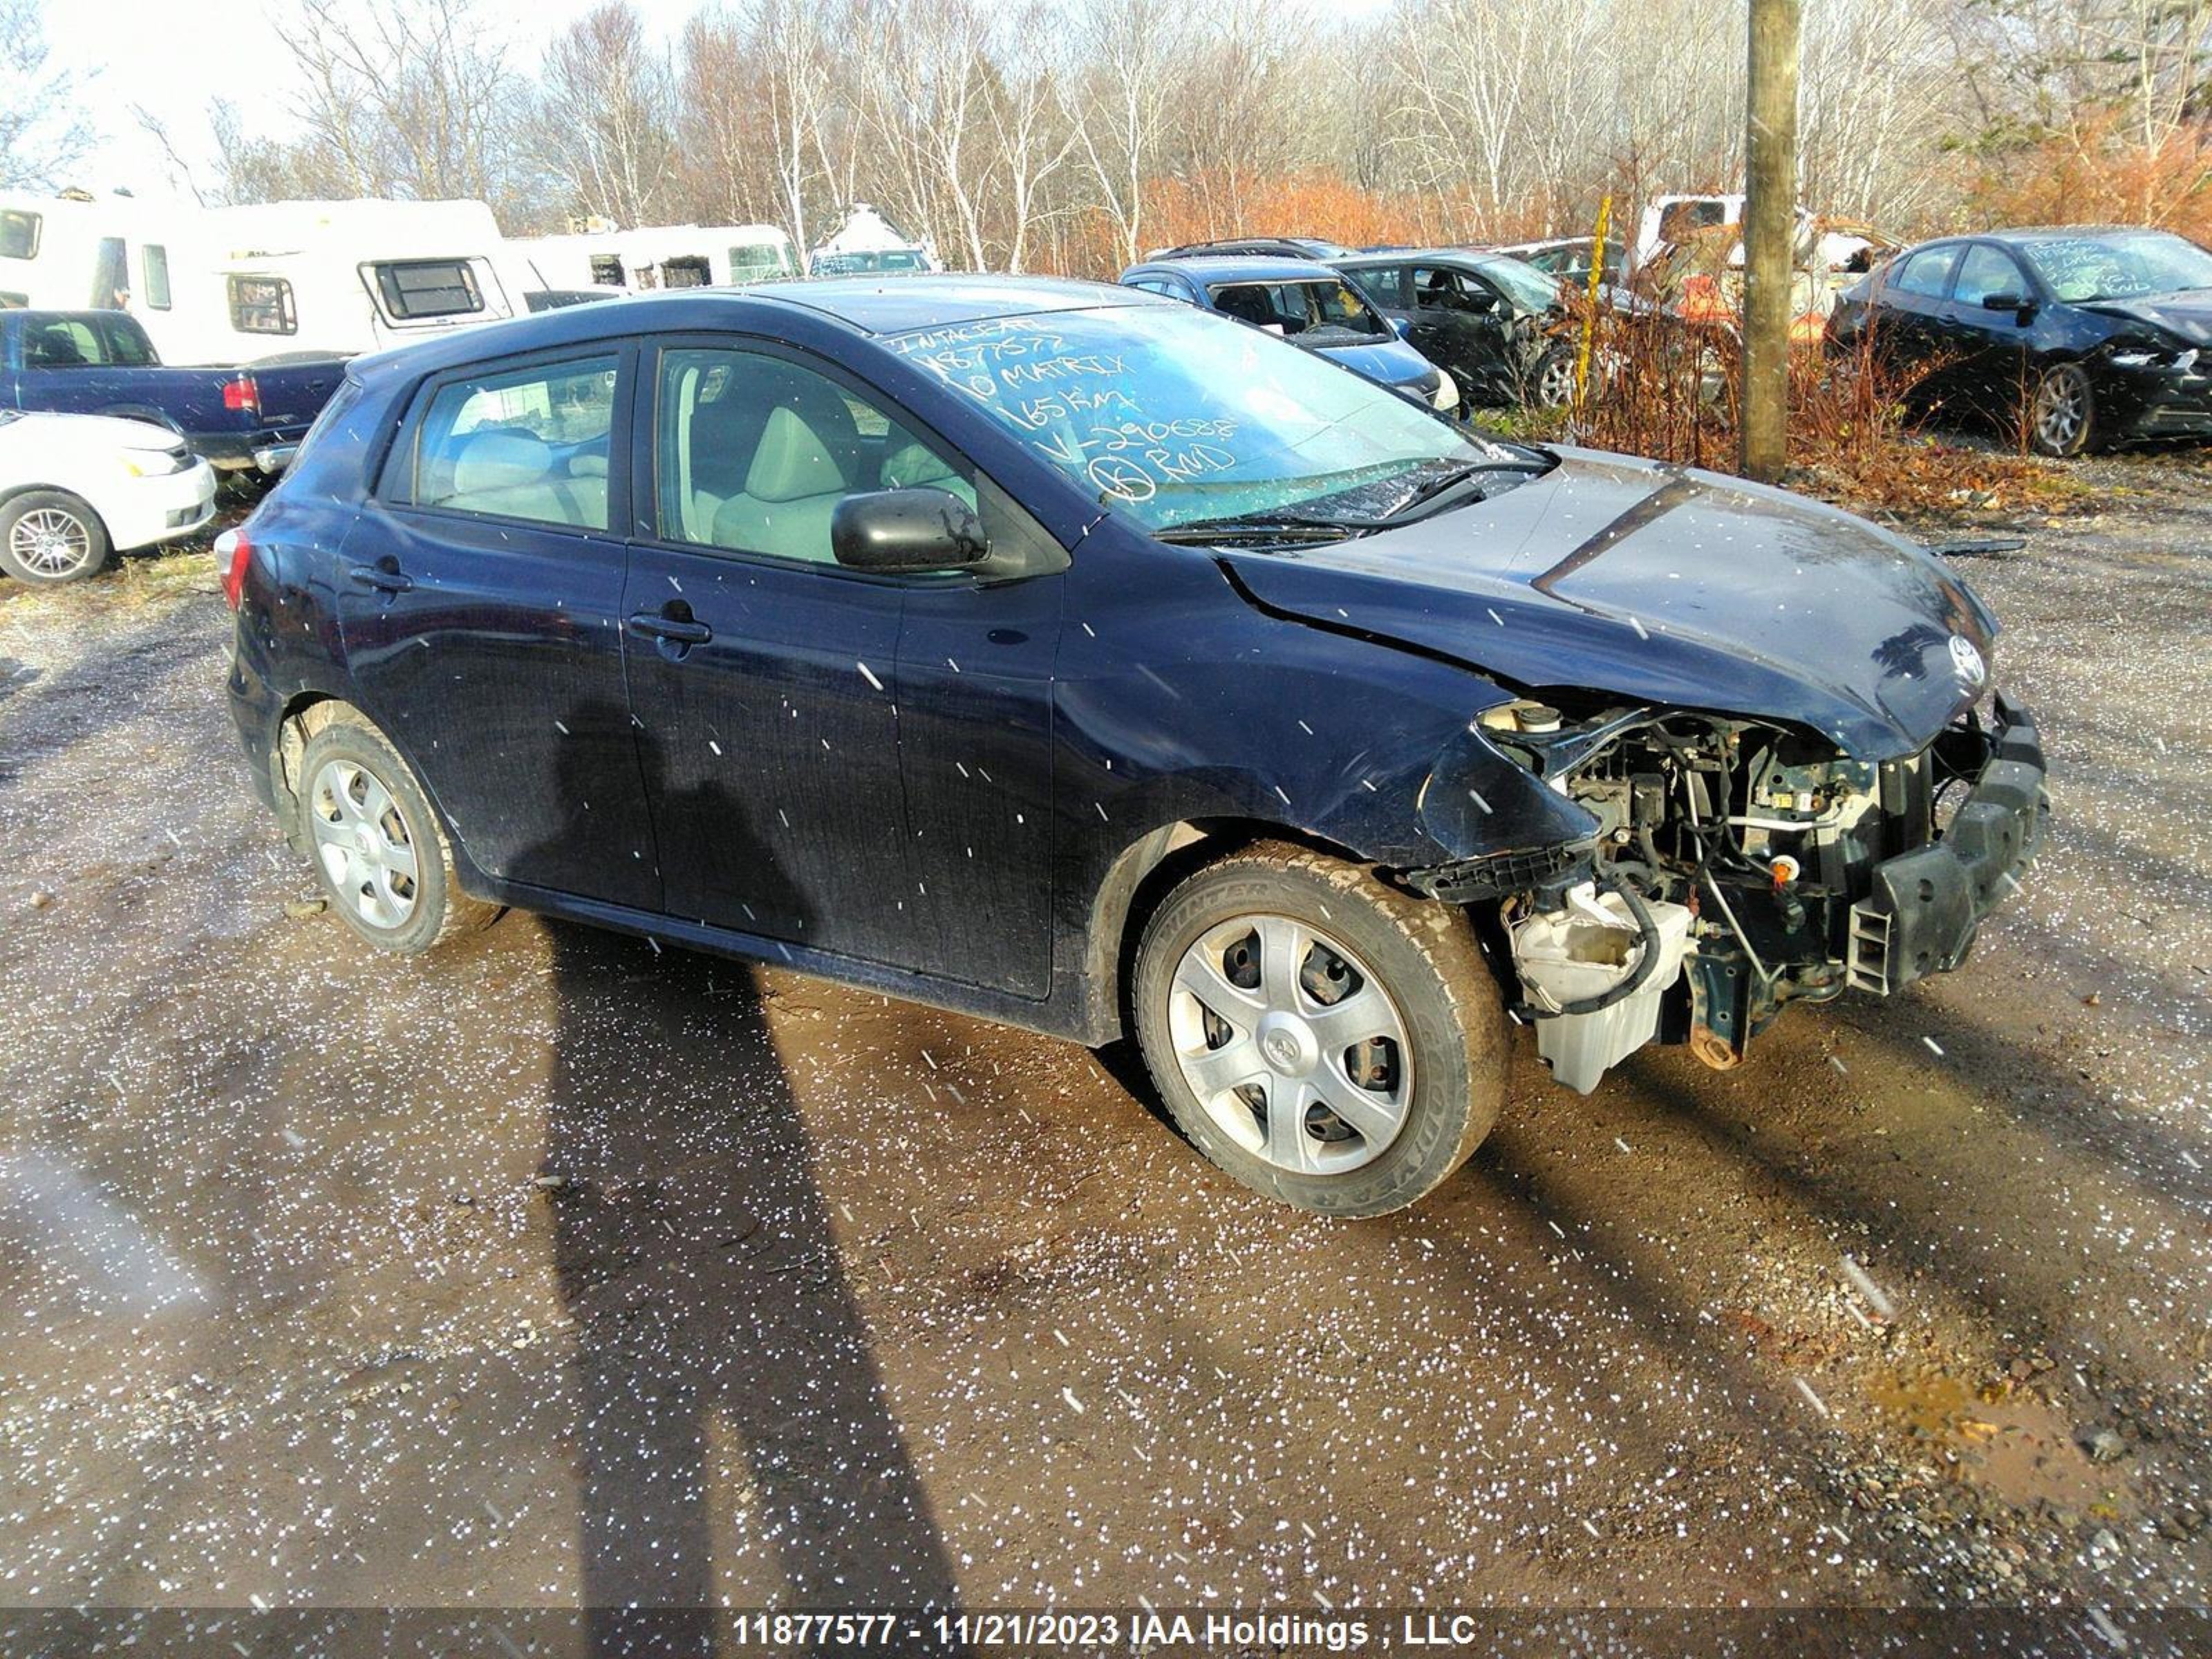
(896, 531)
(2018, 303)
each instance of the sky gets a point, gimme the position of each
(172, 56)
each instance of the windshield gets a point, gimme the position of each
(1529, 289)
(1328, 311)
(2122, 267)
(1170, 415)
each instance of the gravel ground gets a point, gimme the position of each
(562, 1269)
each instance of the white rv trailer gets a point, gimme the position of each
(68, 253)
(289, 277)
(237, 284)
(657, 257)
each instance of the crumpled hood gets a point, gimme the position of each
(2187, 317)
(1662, 584)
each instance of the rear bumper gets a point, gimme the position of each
(270, 450)
(1920, 918)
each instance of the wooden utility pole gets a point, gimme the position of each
(1769, 229)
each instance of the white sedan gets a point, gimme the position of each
(76, 488)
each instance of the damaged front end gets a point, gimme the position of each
(1738, 865)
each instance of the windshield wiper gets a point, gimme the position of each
(1262, 528)
(1432, 493)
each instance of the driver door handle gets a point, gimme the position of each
(681, 630)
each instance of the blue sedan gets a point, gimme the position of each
(1308, 304)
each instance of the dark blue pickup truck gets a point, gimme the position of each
(101, 362)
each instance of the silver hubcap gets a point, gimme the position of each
(1555, 383)
(2061, 409)
(362, 841)
(1290, 1043)
(48, 542)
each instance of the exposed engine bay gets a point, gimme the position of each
(1739, 865)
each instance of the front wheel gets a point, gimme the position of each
(2063, 412)
(1553, 384)
(51, 536)
(1324, 1038)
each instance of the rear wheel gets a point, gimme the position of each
(1323, 1038)
(379, 851)
(51, 536)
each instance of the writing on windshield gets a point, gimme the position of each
(1172, 414)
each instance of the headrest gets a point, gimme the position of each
(501, 460)
(793, 462)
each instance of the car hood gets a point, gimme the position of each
(1665, 586)
(2186, 316)
(65, 431)
(1388, 363)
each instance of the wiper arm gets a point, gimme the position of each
(1432, 492)
(1206, 532)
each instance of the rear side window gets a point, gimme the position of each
(1385, 283)
(123, 343)
(528, 443)
(1926, 274)
(607, 271)
(262, 304)
(19, 234)
(155, 259)
(412, 290)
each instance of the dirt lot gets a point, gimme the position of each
(563, 1267)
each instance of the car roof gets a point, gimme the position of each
(1240, 267)
(1436, 256)
(872, 305)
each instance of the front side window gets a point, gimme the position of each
(262, 304)
(1170, 416)
(529, 443)
(1986, 271)
(752, 453)
(1441, 288)
(685, 270)
(64, 343)
(607, 271)
(19, 234)
(155, 259)
(414, 289)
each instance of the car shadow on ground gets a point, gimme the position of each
(734, 1437)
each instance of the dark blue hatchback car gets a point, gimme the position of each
(1100, 666)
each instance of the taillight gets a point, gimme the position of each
(242, 395)
(232, 552)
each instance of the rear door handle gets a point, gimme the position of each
(682, 630)
(385, 578)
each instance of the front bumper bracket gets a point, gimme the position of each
(1925, 905)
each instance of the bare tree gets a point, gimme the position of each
(43, 130)
(1131, 50)
(408, 98)
(603, 116)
